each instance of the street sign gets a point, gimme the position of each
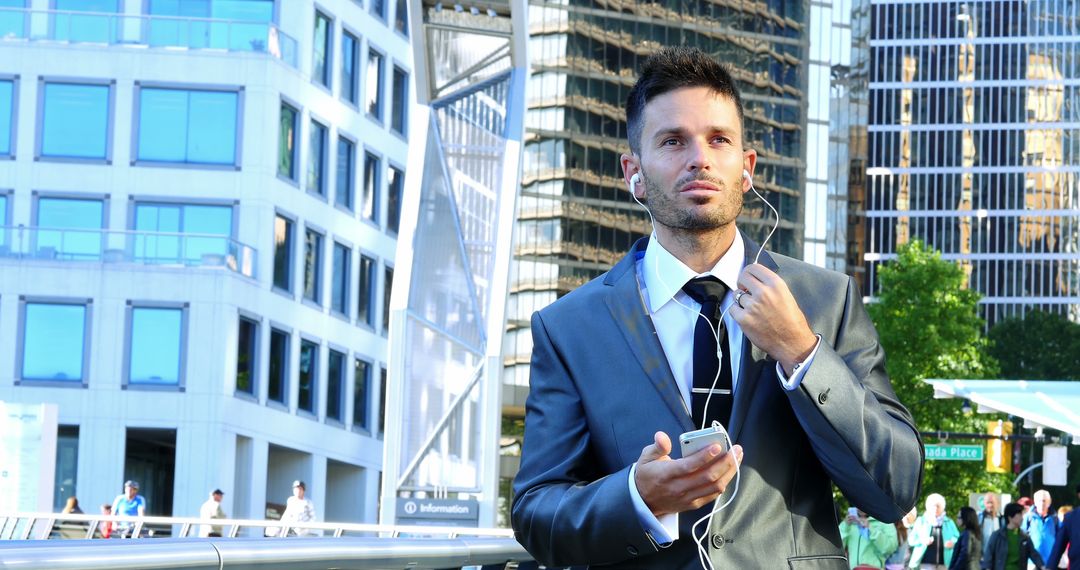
(438, 512)
(954, 453)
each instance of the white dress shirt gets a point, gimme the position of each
(661, 277)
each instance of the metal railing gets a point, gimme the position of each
(127, 246)
(42, 540)
(150, 31)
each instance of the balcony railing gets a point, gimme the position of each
(166, 249)
(148, 31)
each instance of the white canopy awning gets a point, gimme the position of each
(1053, 404)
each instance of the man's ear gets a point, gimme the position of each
(632, 175)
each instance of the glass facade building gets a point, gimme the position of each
(974, 147)
(198, 226)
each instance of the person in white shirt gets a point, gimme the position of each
(299, 509)
(211, 509)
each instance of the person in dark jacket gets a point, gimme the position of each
(1068, 539)
(1010, 548)
(967, 554)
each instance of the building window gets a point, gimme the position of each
(399, 112)
(174, 219)
(309, 369)
(361, 393)
(69, 228)
(324, 33)
(13, 23)
(55, 341)
(247, 338)
(374, 83)
(395, 186)
(3, 222)
(283, 247)
(313, 243)
(7, 113)
(369, 204)
(75, 121)
(388, 285)
(248, 30)
(378, 9)
(187, 126)
(365, 291)
(346, 169)
(316, 177)
(278, 367)
(382, 400)
(99, 26)
(339, 287)
(287, 142)
(67, 465)
(350, 50)
(335, 384)
(401, 17)
(156, 340)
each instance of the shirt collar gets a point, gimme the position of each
(665, 275)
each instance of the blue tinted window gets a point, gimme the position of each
(7, 91)
(53, 342)
(309, 360)
(335, 385)
(75, 121)
(317, 159)
(278, 366)
(339, 288)
(287, 142)
(80, 223)
(320, 71)
(365, 291)
(247, 27)
(313, 266)
(374, 84)
(101, 27)
(343, 196)
(12, 24)
(361, 391)
(3, 221)
(369, 204)
(349, 45)
(187, 126)
(156, 338)
(182, 219)
(283, 240)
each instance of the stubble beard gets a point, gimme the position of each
(668, 213)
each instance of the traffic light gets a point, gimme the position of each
(999, 451)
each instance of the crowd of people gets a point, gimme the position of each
(1027, 534)
(298, 509)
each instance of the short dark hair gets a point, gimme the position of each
(969, 519)
(1013, 509)
(672, 68)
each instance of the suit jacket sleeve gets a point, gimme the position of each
(864, 437)
(1061, 541)
(565, 511)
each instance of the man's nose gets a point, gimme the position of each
(699, 158)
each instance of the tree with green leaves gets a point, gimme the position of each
(930, 328)
(1037, 346)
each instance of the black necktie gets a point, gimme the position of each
(710, 291)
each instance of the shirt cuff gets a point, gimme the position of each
(663, 530)
(792, 383)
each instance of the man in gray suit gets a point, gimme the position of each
(614, 366)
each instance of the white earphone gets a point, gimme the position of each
(634, 181)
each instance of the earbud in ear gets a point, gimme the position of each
(635, 180)
(746, 174)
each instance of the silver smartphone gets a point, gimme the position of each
(692, 442)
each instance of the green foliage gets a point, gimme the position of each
(930, 328)
(1038, 346)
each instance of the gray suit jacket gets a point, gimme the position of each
(601, 387)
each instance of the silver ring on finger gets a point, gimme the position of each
(738, 298)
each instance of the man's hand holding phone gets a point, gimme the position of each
(677, 485)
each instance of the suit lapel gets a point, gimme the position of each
(628, 308)
(755, 362)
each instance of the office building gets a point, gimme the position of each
(200, 202)
(973, 146)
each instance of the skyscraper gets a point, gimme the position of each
(973, 146)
